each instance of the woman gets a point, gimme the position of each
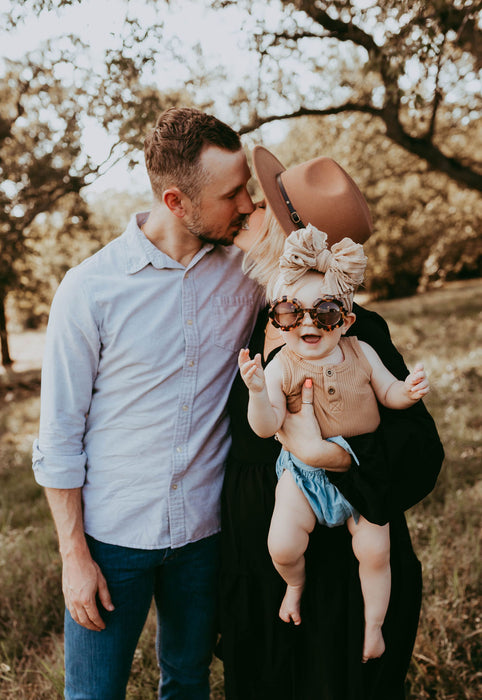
(322, 658)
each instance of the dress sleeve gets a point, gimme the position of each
(400, 462)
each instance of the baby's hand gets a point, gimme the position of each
(417, 383)
(251, 371)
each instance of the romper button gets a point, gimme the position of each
(331, 390)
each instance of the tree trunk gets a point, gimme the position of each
(6, 359)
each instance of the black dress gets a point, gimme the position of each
(321, 659)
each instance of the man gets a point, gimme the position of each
(141, 351)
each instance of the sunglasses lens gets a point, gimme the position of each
(328, 313)
(286, 314)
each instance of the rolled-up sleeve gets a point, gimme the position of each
(69, 369)
(59, 472)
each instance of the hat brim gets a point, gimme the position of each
(267, 167)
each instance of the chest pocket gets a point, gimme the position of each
(233, 320)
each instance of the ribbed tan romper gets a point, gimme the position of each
(344, 401)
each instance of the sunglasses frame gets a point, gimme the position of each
(302, 311)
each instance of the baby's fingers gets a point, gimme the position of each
(418, 375)
(243, 356)
(250, 370)
(419, 388)
(417, 394)
(417, 382)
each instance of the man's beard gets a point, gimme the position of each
(196, 227)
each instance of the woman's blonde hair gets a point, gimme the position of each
(262, 259)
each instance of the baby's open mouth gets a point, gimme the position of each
(310, 338)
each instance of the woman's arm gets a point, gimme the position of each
(301, 435)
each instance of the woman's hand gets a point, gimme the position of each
(301, 435)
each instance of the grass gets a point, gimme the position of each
(442, 328)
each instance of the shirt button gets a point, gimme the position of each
(174, 487)
(329, 373)
(185, 408)
(178, 449)
(331, 390)
(189, 322)
(190, 363)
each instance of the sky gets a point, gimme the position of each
(95, 22)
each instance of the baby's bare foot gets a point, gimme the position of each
(374, 644)
(290, 607)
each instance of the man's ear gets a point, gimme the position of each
(176, 201)
(348, 321)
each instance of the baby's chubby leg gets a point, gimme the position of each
(291, 524)
(371, 545)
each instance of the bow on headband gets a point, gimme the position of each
(306, 249)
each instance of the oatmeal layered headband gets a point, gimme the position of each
(343, 266)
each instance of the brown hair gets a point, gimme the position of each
(173, 149)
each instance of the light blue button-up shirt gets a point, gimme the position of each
(139, 359)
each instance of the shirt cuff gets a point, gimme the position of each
(58, 472)
(339, 440)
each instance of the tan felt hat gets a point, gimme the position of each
(317, 192)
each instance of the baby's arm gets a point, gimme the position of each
(267, 403)
(391, 392)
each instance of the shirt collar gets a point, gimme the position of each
(140, 252)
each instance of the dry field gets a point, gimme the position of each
(441, 327)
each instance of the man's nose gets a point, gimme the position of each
(245, 203)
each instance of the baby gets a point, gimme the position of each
(312, 308)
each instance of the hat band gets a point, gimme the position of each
(295, 217)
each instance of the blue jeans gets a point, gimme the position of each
(183, 583)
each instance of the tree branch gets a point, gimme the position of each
(437, 98)
(421, 147)
(426, 149)
(294, 36)
(344, 31)
(257, 121)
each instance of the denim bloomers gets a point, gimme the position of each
(326, 501)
